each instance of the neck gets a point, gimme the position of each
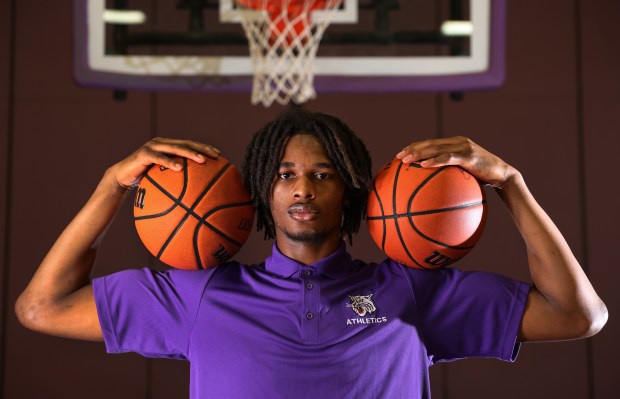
(305, 252)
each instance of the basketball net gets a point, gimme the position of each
(284, 38)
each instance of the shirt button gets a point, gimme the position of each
(309, 316)
(308, 272)
(309, 286)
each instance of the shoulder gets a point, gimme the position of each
(391, 267)
(175, 279)
(450, 279)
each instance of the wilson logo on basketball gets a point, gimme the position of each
(221, 254)
(439, 260)
(139, 200)
(245, 224)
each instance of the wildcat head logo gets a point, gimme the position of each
(362, 304)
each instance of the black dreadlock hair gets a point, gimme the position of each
(348, 153)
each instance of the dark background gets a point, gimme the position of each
(556, 119)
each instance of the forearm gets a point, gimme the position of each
(67, 266)
(563, 304)
(59, 299)
(567, 300)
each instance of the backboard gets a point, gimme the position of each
(370, 46)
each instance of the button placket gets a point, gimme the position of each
(311, 302)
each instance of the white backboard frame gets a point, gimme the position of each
(482, 68)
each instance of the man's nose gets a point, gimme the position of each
(304, 188)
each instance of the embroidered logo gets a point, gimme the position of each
(362, 304)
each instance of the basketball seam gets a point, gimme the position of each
(204, 222)
(398, 233)
(374, 190)
(177, 201)
(410, 217)
(191, 210)
(421, 213)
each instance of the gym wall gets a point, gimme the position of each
(556, 119)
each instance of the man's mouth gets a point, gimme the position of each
(303, 212)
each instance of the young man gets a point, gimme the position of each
(309, 321)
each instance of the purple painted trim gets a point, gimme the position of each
(491, 78)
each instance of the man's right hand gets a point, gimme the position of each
(59, 299)
(159, 151)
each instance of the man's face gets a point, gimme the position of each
(307, 194)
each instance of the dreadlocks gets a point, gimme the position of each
(344, 148)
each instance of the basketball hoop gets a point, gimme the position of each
(284, 37)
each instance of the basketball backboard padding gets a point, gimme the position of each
(483, 68)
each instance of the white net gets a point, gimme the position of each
(284, 37)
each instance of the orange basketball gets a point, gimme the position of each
(194, 218)
(425, 217)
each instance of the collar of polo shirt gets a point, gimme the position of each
(333, 266)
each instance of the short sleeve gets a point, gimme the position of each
(149, 312)
(468, 314)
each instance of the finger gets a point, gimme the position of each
(191, 149)
(427, 149)
(147, 157)
(188, 149)
(165, 161)
(449, 151)
(442, 160)
(131, 170)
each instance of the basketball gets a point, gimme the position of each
(425, 218)
(195, 218)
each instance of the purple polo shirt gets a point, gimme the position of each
(339, 328)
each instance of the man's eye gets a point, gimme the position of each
(321, 176)
(284, 175)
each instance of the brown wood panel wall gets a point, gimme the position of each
(5, 71)
(555, 118)
(531, 122)
(63, 138)
(600, 61)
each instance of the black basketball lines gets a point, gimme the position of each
(435, 259)
(190, 211)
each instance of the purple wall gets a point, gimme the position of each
(556, 119)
